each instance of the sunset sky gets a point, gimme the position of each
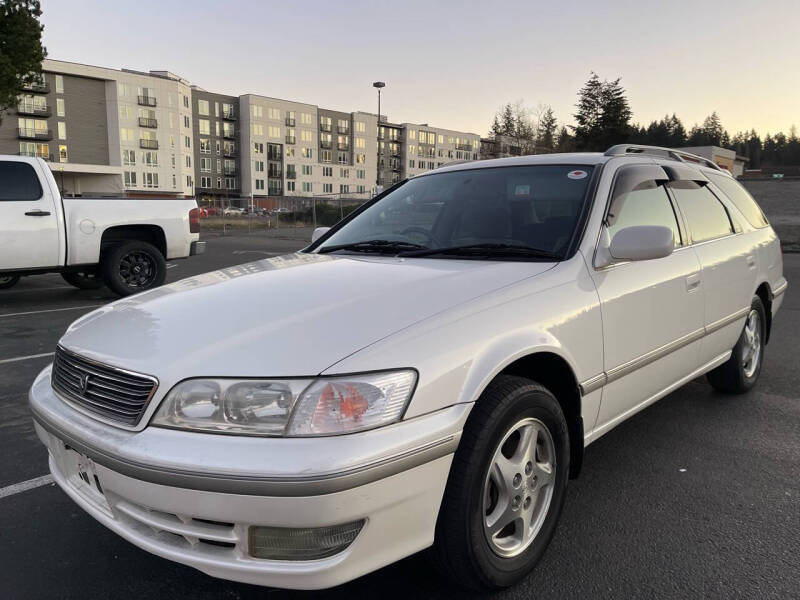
(453, 63)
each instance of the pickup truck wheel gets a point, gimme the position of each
(8, 281)
(506, 487)
(741, 372)
(83, 280)
(133, 267)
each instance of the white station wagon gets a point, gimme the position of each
(427, 373)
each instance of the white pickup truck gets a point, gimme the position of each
(122, 242)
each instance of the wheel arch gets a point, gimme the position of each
(152, 234)
(764, 291)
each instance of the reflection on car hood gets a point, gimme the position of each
(292, 315)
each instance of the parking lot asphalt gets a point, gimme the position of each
(697, 496)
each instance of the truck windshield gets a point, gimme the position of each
(503, 213)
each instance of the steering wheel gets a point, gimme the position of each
(428, 235)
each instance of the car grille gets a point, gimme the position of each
(107, 391)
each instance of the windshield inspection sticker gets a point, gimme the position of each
(577, 174)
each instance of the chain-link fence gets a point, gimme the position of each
(280, 216)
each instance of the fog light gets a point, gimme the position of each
(289, 543)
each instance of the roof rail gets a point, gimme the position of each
(671, 153)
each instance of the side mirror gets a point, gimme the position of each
(642, 242)
(318, 233)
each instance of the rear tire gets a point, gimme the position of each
(83, 280)
(502, 502)
(8, 281)
(740, 373)
(133, 267)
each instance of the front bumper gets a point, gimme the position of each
(199, 516)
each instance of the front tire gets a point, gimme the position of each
(8, 281)
(740, 373)
(83, 280)
(506, 487)
(133, 267)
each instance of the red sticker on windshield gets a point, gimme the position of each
(577, 174)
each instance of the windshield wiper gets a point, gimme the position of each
(383, 246)
(489, 249)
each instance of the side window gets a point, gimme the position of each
(740, 198)
(18, 182)
(705, 215)
(643, 207)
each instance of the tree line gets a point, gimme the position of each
(603, 118)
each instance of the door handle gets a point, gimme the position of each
(692, 282)
(37, 213)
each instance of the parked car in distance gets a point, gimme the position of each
(121, 242)
(429, 374)
(232, 211)
(279, 211)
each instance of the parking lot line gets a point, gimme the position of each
(24, 486)
(19, 358)
(49, 310)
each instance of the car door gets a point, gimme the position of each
(728, 262)
(29, 236)
(652, 309)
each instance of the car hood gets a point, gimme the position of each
(292, 315)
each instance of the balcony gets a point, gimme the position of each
(146, 100)
(290, 139)
(291, 174)
(229, 134)
(343, 130)
(276, 156)
(325, 144)
(148, 144)
(343, 146)
(396, 152)
(35, 111)
(290, 121)
(146, 122)
(35, 134)
(229, 115)
(467, 147)
(229, 151)
(229, 171)
(325, 127)
(275, 190)
(275, 173)
(38, 87)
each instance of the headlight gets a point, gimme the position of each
(291, 407)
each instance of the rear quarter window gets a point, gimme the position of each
(741, 199)
(18, 182)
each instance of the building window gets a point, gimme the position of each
(258, 129)
(256, 111)
(62, 153)
(186, 123)
(62, 130)
(230, 183)
(259, 166)
(274, 114)
(258, 148)
(361, 174)
(188, 161)
(274, 132)
(325, 156)
(150, 159)
(60, 110)
(204, 126)
(205, 165)
(327, 171)
(219, 165)
(360, 189)
(305, 135)
(187, 141)
(202, 107)
(307, 153)
(290, 152)
(308, 186)
(129, 158)
(345, 173)
(259, 184)
(205, 146)
(185, 101)
(361, 127)
(59, 84)
(360, 142)
(205, 182)
(327, 188)
(307, 170)
(306, 119)
(411, 163)
(361, 159)
(219, 183)
(130, 178)
(344, 188)
(290, 186)
(150, 180)
(342, 158)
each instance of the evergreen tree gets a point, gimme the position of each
(603, 117)
(546, 134)
(21, 50)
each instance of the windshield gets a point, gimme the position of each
(522, 208)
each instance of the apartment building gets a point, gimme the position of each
(409, 149)
(216, 132)
(130, 133)
(106, 131)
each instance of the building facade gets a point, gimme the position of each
(130, 133)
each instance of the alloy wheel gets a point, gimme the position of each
(751, 354)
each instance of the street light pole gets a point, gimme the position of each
(378, 85)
